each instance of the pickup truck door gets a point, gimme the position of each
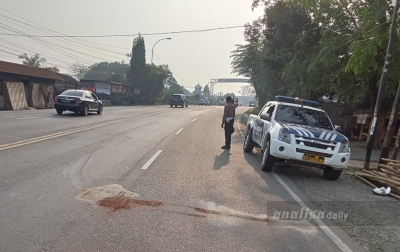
(267, 123)
(259, 125)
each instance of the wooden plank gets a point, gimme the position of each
(391, 160)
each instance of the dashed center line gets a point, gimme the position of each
(179, 131)
(194, 120)
(33, 117)
(151, 160)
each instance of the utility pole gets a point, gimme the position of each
(390, 128)
(382, 86)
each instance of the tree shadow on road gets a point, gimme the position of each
(221, 160)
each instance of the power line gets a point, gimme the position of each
(43, 27)
(56, 47)
(8, 52)
(122, 35)
(43, 42)
(24, 49)
(174, 73)
(87, 47)
(351, 40)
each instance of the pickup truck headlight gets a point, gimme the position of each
(284, 135)
(344, 147)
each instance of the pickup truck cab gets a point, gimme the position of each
(291, 129)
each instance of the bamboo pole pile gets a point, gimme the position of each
(387, 175)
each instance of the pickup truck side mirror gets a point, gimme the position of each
(265, 116)
(337, 128)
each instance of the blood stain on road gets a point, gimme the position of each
(116, 198)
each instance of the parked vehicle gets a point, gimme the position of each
(221, 102)
(252, 103)
(78, 101)
(178, 100)
(291, 129)
(204, 101)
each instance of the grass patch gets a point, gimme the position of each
(253, 111)
(374, 246)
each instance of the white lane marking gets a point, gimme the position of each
(33, 117)
(151, 160)
(319, 222)
(179, 131)
(194, 120)
(240, 129)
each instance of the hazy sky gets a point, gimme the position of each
(192, 57)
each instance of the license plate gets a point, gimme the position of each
(314, 158)
(64, 101)
(175, 99)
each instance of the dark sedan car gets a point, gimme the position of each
(78, 101)
(178, 100)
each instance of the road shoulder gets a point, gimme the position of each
(372, 221)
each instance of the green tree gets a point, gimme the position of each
(53, 69)
(175, 89)
(79, 70)
(246, 90)
(149, 79)
(33, 61)
(137, 70)
(312, 47)
(108, 71)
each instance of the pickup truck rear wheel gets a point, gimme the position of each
(248, 144)
(331, 174)
(268, 161)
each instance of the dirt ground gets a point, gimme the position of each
(374, 221)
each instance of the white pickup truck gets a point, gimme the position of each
(297, 130)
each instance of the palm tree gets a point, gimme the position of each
(34, 61)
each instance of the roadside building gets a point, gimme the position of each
(110, 92)
(68, 83)
(23, 87)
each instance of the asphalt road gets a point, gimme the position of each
(185, 193)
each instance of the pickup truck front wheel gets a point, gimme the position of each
(331, 174)
(248, 144)
(268, 161)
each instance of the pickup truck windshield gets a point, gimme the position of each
(298, 115)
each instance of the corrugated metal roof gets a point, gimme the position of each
(13, 68)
